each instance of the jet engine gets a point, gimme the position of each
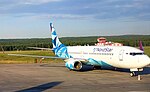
(73, 65)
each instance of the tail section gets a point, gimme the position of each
(55, 41)
(141, 46)
(58, 48)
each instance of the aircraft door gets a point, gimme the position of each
(121, 55)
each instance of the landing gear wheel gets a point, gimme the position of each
(132, 74)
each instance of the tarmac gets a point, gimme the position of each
(55, 77)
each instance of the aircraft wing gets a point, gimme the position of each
(52, 57)
(39, 48)
(36, 56)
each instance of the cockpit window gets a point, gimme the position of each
(134, 53)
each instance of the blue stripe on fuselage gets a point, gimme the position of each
(98, 63)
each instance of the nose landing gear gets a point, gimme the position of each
(132, 74)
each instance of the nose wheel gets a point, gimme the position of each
(132, 74)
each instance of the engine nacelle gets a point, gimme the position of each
(73, 65)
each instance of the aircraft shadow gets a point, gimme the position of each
(41, 88)
(90, 68)
(146, 70)
(48, 65)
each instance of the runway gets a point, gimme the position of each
(54, 77)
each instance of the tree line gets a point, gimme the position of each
(23, 44)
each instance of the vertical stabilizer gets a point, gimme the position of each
(55, 41)
(58, 48)
(141, 46)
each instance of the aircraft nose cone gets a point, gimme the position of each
(148, 60)
(145, 60)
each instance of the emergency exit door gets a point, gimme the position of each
(121, 55)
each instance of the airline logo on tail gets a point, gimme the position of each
(55, 40)
(58, 48)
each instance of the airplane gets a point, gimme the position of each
(76, 57)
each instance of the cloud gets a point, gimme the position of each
(78, 9)
(7, 4)
(38, 1)
(64, 16)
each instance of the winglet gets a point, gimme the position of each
(141, 46)
(51, 26)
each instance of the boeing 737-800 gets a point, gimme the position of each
(98, 56)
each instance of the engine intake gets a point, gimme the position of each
(74, 65)
(78, 65)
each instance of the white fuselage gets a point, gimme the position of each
(116, 56)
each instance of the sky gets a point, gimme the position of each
(73, 18)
